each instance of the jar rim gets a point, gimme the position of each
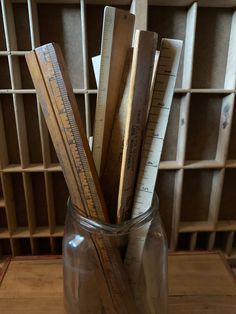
(92, 225)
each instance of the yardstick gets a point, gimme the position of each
(152, 147)
(61, 113)
(137, 107)
(116, 40)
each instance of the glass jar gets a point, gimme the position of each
(86, 282)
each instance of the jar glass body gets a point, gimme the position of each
(82, 286)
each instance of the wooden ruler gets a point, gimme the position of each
(141, 74)
(61, 113)
(152, 148)
(116, 40)
(111, 175)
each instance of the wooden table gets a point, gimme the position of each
(198, 283)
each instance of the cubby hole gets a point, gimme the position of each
(22, 77)
(5, 247)
(40, 203)
(92, 103)
(232, 146)
(1, 195)
(202, 240)
(169, 22)
(81, 105)
(3, 218)
(42, 246)
(94, 20)
(55, 24)
(211, 47)
(221, 240)
(53, 155)
(184, 241)
(32, 127)
(19, 199)
(6, 103)
(165, 192)
(5, 81)
(203, 127)
(2, 34)
(228, 200)
(57, 245)
(22, 246)
(60, 196)
(196, 195)
(22, 27)
(171, 139)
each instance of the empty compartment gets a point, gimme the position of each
(203, 127)
(3, 218)
(53, 155)
(94, 20)
(42, 246)
(169, 22)
(6, 103)
(202, 240)
(228, 200)
(165, 192)
(81, 105)
(22, 78)
(184, 241)
(5, 247)
(60, 196)
(22, 246)
(232, 146)
(19, 199)
(5, 81)
(171, 139)
(40, 203)
(221, 240)
(57, 243)
(2, 34)
(196, 194)
(22, 27)
(56, 22)
(92, 103)
(211, 47)
(32, 127)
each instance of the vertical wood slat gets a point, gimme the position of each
(9, 202)
(229, 243)
(215, 198)
(178, 187)
(29, 199)
(3, 144)
(85, 68)
(189, 45)
(50, 202)
(35, 42)
(193, 241)
(10, 34)
(140, 9)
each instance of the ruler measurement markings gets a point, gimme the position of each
(115, 277)
(153, 144)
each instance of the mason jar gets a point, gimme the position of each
(142, 250)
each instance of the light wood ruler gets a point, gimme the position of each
(116, 40)
(145, 44)
(152, 148)
(61, 113)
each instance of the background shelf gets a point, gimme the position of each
(198, 165)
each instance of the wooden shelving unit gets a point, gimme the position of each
(198, 168)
